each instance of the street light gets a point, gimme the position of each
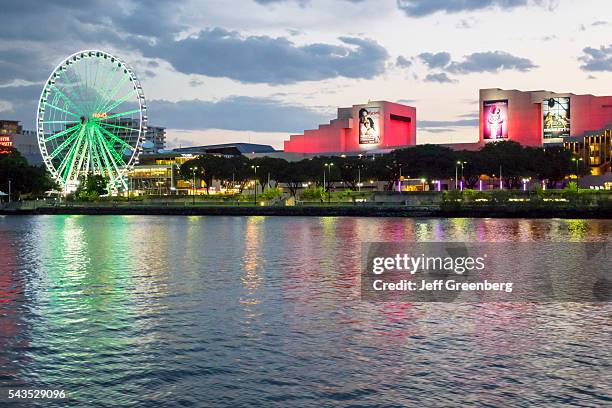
(399, 183)
(255, 182)
(574, 159)
(327, 166)
(462, 164)
(359, 173)
(193, 172)
(172, 187)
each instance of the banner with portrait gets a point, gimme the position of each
(369, 125)
(556, 117)
(495, 115)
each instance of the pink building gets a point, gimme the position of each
(531, 118)
(535, 118)
(361, 128)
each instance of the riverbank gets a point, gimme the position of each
(480, 211)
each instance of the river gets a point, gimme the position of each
(265, 311)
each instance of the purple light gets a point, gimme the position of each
(461, 185)
(543, 185)
(480, 185)
(524, 185)
(439, 183)
(501, 184)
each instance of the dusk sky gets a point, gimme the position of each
(258, 70)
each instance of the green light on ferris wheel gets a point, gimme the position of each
(91, 119)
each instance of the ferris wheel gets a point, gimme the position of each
(92, 119)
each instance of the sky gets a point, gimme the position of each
(259, 70)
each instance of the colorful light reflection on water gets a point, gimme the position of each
(265, 311)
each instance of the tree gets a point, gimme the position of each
(207, 168)
(294, 174)
(426, 161)
(513, 159)
(91, 187)
(25, 179)
(383, 168)
(268, 166)
(475, 164)
(347, 168)
(234, 171)
(555, 163)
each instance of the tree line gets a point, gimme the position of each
(430, 162)
(25, 180)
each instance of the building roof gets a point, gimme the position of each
(543, 91)
(227, 148)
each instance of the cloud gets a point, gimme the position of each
(149, 74)
(436, 130)
(92, 21)
(262, 59)
(302, 3)
(5, 106)
(23, 64)
(421, 8)
(599, 23)
(235, 113)
(442, 126)
(440, 77)
(490, 61)
(435, 60)
(174, 142)
(35, 34)
(23, 103)
(232, 113)
(466, 23)
(194, 83)
(597, 59)
(473, 115)
(403, 62)
(423, 124)
(152, 28)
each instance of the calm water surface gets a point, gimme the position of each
(265, 311)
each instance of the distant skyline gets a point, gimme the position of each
(259, 70)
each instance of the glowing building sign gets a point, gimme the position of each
(556, 117)
(495, 119)
(369, 125)
(5, 143)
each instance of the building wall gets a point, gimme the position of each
(27, 144)
(594, 150)
(342, 134)
(327, 138)
(590, 113)
(524, 116)
(156, 135)
(13, 135)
